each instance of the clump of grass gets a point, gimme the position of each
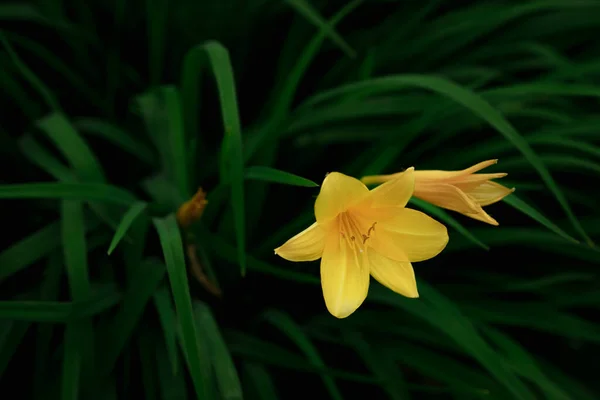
(116, 113)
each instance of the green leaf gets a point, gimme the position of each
(382, 367)
(134, 211)
(148, 357)
(176, 140)
(117, 136)
(49, 291)
(258, 377)
(218, 58)
(59, 311)
(29, 250)
(312, 15)
(148, 277)
(30, 76)
(545, 241)
(11, 335)
(534, 315)
(287, 326)
(73, 147)
(172, 246)
(524, 363)
(473, 102)
(41, 157)
(222, 363)
(267, 174)
(168, 322)
(173, 386)
(526, 209)
(259, 350)
(78, 335)
(444, 315)
(68, 191)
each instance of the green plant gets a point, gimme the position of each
(116, 112)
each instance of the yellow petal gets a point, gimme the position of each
(338, 193)
(483, 217)
(409, 235)
(373, 179)
(489, 192)
(446, 196)
(305, 246)
(344, 276)
(393, 193)
(397, 276)
(450, 176)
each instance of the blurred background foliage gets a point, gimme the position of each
(115, 112)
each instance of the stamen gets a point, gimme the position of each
(349, 229)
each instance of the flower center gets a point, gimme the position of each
(355, 232)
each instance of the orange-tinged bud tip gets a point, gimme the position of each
(192, 210)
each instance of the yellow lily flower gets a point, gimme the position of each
(463, 191)
(358, 233)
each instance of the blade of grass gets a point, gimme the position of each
(29, 250)
(11, 336)
(226, 374)
(525, 364)
(314, 17)
(134, 211)
(258, 377)
(267, 174)
(71, 191)
(121, 328)
(146, 349)
(255, 349)
(116, 136)
(44, 92)
(78, 335)
(168, 322)
(176, 139)
(172, 246)
(444, 315)
(49, 291)
(52, 61)
(59, 311)
(382, 368)
(218, 57)
(39, 156)
(288, 327)
(172, 386)
(73, 147)
(528, 210)
(529, 238)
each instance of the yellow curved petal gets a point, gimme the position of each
(489, 192)
(451, 176)
(409, 235)
(344, 276)
(338, 193)
(395, 275)
(483, 217)
(306, 246)
(393, 193)
(446, 196)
